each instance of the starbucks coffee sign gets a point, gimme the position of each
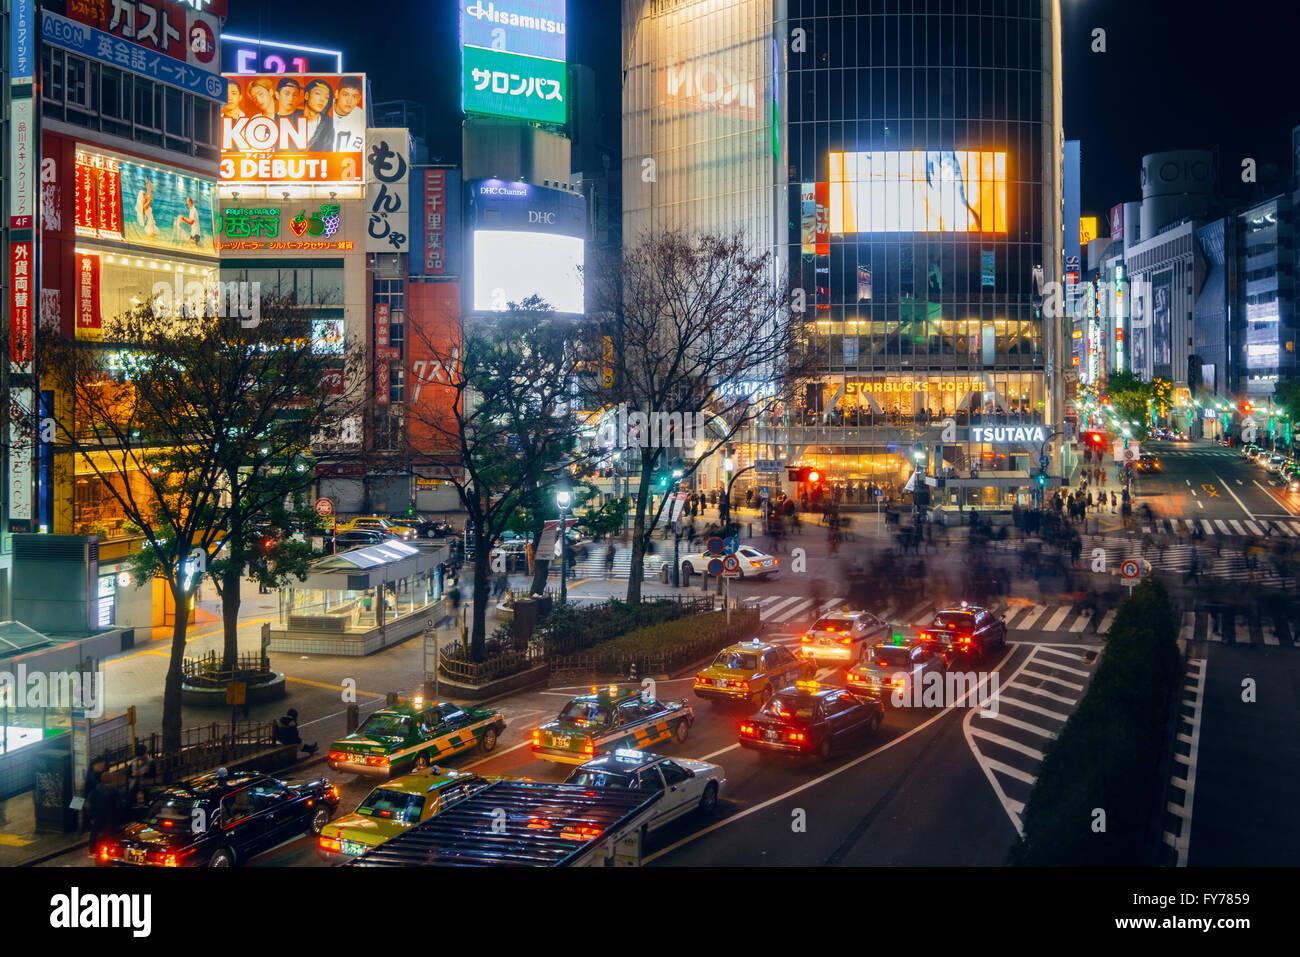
(1028, 433)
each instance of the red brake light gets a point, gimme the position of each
(539, 823)
(331, 844)
(590, 747)
(337, 755)
(806, 638)
(847, 639)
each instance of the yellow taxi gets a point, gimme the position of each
(393, 807)
(373, 523)
(751, 671)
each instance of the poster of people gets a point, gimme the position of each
(1162, 288)
(165, 208)
(278, 127)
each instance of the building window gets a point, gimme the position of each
(397, 335)
(396, 382)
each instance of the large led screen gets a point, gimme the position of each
(948, 191)
(510, 266)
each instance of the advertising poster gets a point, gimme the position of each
(89, 321)
(384, 348)
(167, 209)
(21, 445)
(98, 196)
(1117, 222)
(823, 231)
(526, 240)
(433, 344)
(528, 27)
(328, 336)
(808, 218)
(388, 199)
(1162, 289)
(918, 191)
(381, 383)
(513, 59)
(988, 268)
(250, 55)
(278, 128)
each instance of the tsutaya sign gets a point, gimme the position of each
(1017, 433)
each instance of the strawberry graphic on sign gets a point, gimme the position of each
(323, 223)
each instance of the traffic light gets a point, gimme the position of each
(1042, 480)
(805, 473)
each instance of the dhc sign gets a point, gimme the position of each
(1033, 433)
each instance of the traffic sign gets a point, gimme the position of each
(715, 546)
(324, 507)
(730, 544)
(731, 567)
(715, 566)
(1043, 461)
(1130, 569)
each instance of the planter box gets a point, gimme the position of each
(216, 697)
(494, 689)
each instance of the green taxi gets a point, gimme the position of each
(610, 718)
(751, 671)
(393, 807)
(414, 735)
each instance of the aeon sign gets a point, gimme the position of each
(709, 85)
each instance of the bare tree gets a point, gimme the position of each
(701, 345)
(197, 426)
(504, 429)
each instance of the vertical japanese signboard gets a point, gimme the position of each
(89, 322)
(22, 187)
(435, 222)
(384, 349)
(388, 201)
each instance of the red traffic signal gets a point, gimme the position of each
(805, 473)
(814, 476)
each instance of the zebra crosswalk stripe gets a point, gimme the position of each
(1059, 616)
(1209, 529)
(1254, 529)
(1236, 525)
(1222, 527)
(1011, 613)
(1081, 623)
(1024, 624)
(796, 609)
(770, 612)
(1104, 627)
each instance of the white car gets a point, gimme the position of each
(753, 563)
(686, 785)
(839, 637)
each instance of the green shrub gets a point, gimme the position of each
(1111, 753)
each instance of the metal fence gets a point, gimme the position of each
(453, 664)
(203, 747)
(207, 671)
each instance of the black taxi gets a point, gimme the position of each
(811, 718)
(965, 632)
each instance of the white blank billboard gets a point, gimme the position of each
(510, 266)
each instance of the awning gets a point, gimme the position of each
(368, 566)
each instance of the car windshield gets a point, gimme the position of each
(791, 706)
(387, 725)
(390, 805)
(891, 657)
(173, 814)
(954, 620)
(833, 624)
(737, 661)
(584, 713)
(600, 779)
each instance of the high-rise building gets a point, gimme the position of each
(904, 168)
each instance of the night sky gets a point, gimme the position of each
(1177, 74)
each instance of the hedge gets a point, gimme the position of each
(569, 629)
(661, 647)
(1112, 753)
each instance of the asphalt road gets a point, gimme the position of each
(1200, 480)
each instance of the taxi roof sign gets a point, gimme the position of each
(811, 686)
(629, 753)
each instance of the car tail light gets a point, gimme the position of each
(806, 638)
(795, 736)
(379, 760)
(537, 738)
(582, 833)
(338, 756)
(107, 852)
(754, 564)
(747, 729)
(854, 676)
(830, 627)
(590, 746)
(333, 792)
(847, 639)
(539, 823)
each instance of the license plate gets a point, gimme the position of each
(355, 848)
(135, 855)
(771, 736)
(559, 741)
(827, 642)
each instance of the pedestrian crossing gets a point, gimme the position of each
(798, 612)
(1010, 734)
(1237, 626)
(1191, 451)
(1215, 561)
(1259, 528)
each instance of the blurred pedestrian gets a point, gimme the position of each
(609, 561)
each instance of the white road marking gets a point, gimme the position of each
(1254, 529)
(794, 610)
(767, 613)
(1209, 529)
(1236, 526)
(1066, 669)
(1024, 624)
(1037, 709)
(1107, 619)
(1055, 621)
(1223, 528)
(824, 777)
(1011, 772)
(1052, 650)
(1183, 842)
(731, 747)
(1008, 743)
(1249, 513)
(1016, 723)
(1011, 613)
(1082, 623)
(1042, 677)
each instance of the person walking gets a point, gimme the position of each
(1193, 572)
(609, 561)
(1114, 502)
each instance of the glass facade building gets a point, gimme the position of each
(916, 192)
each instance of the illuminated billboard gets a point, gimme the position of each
(527, 240)
(918, 191)
(308, 128)
(143, 205)
(250, 55)
(513, 59)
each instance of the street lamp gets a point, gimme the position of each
(563, 499)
